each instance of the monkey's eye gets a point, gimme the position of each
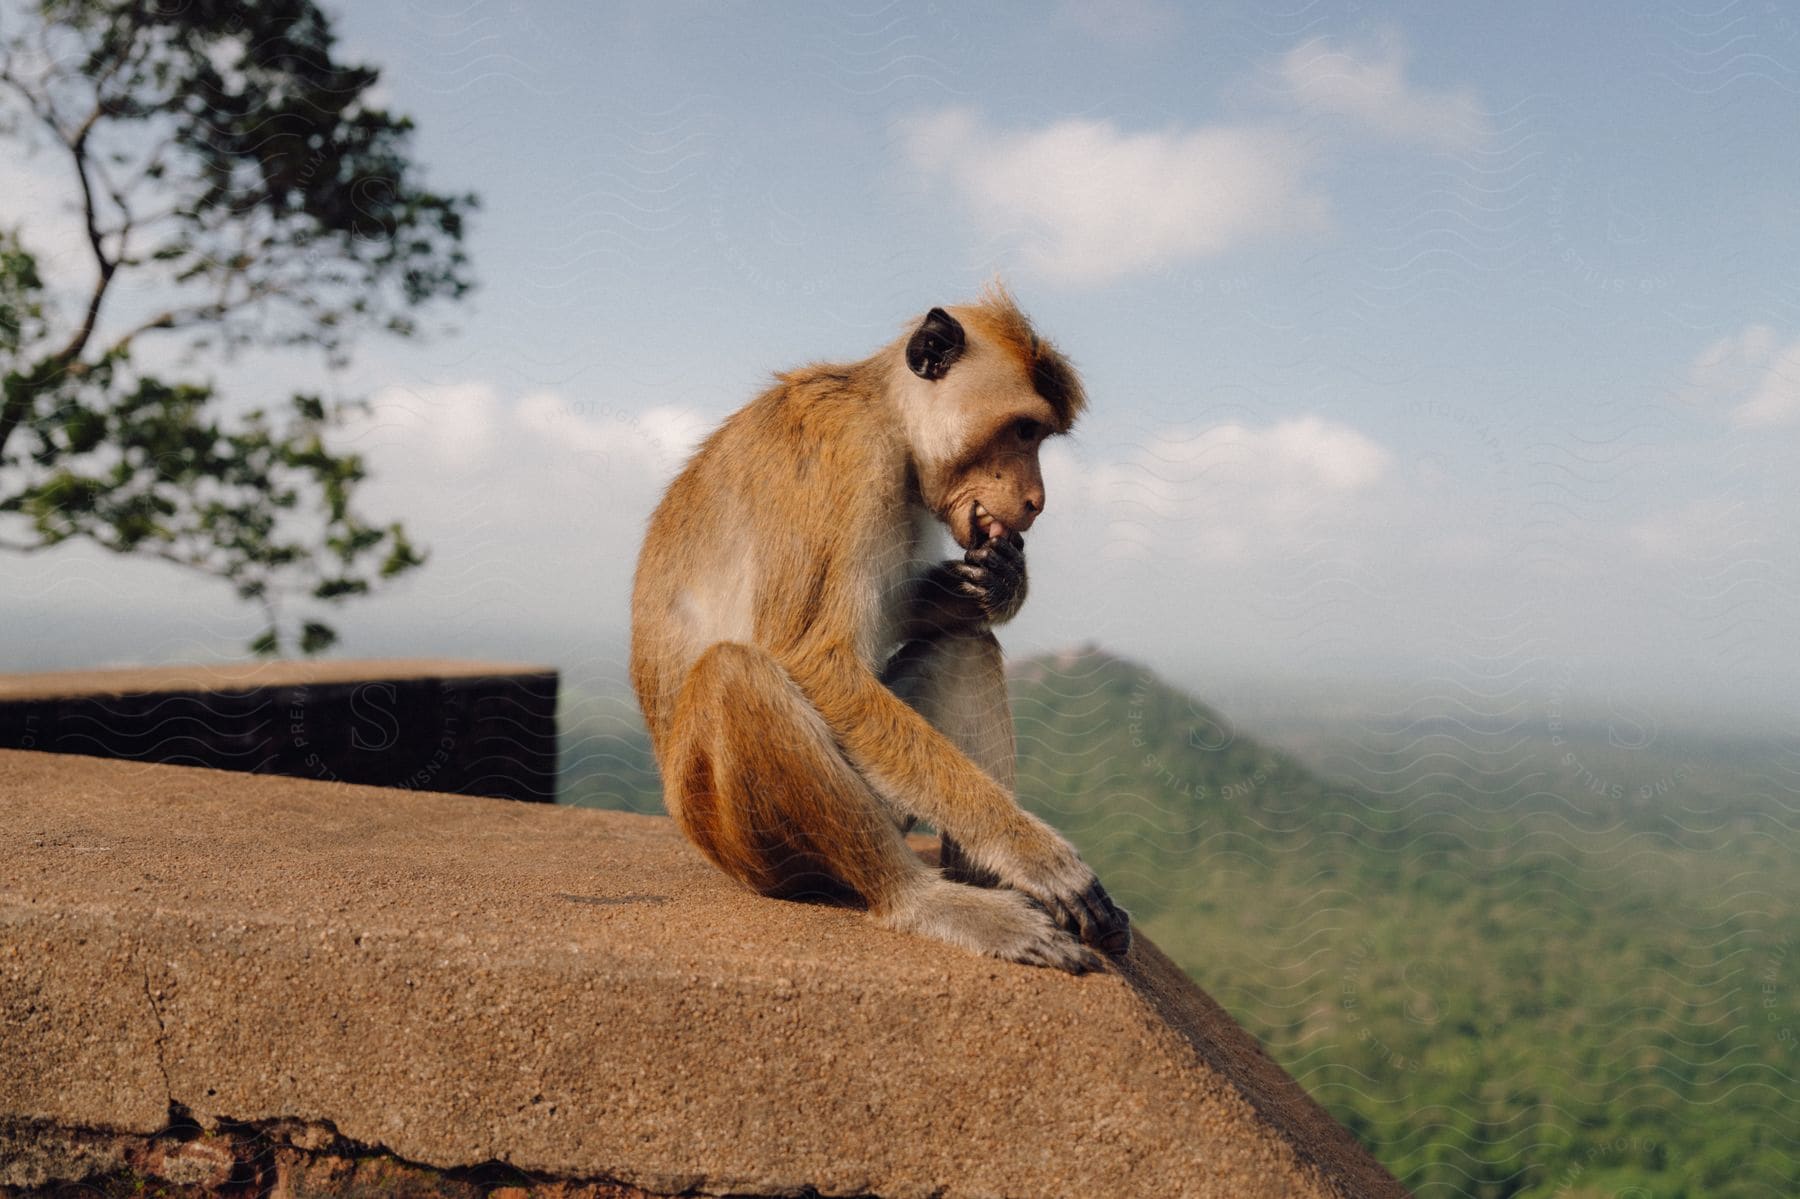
(1028, 430)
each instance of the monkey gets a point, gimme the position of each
(814, 683)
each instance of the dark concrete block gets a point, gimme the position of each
(467, 728)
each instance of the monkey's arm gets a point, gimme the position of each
(920, 771)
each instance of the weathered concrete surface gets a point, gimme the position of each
(579, 995)
(475, 728)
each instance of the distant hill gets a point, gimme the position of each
(1147, 778)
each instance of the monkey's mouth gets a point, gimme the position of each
(983, 527)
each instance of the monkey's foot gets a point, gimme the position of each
(1092, 916)
(1066, 888)
(999, 923)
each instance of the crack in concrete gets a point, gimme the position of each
(162, 1032)
(312, 1154)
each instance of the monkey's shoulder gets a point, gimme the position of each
(811, 439)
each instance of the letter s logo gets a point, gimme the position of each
(1631, 727)
(373, 714)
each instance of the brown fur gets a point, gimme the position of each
(1052, 376)
(775, 578)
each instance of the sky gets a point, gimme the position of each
(1434, 356)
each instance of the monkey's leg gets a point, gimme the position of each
(956, 680)
(755, 779)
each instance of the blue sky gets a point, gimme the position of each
(1430, 357)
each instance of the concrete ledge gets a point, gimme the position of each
(576, 995)
(475, 728)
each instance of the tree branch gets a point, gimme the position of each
(77, 342)
(193, 314)
(77, 145)
(31, 101)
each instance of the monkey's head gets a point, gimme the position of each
(979, 394)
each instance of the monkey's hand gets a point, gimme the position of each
(1054, 875)
(992, 575)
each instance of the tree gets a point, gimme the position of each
(258, 196)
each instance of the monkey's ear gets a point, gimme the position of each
(934, 345)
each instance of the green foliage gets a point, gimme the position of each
(21, 297)
(232, 164)
(1505, 981)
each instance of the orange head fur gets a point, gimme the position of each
(979, 392)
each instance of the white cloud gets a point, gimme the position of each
(662, 436)
(465, 426)
(1236, 491)
(1087, 202)
(1090, 202)
(1755, 372)
(1334, 457)
(1368, 85)
(452, 424)
(532, 508)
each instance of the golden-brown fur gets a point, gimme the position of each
(779, 575)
